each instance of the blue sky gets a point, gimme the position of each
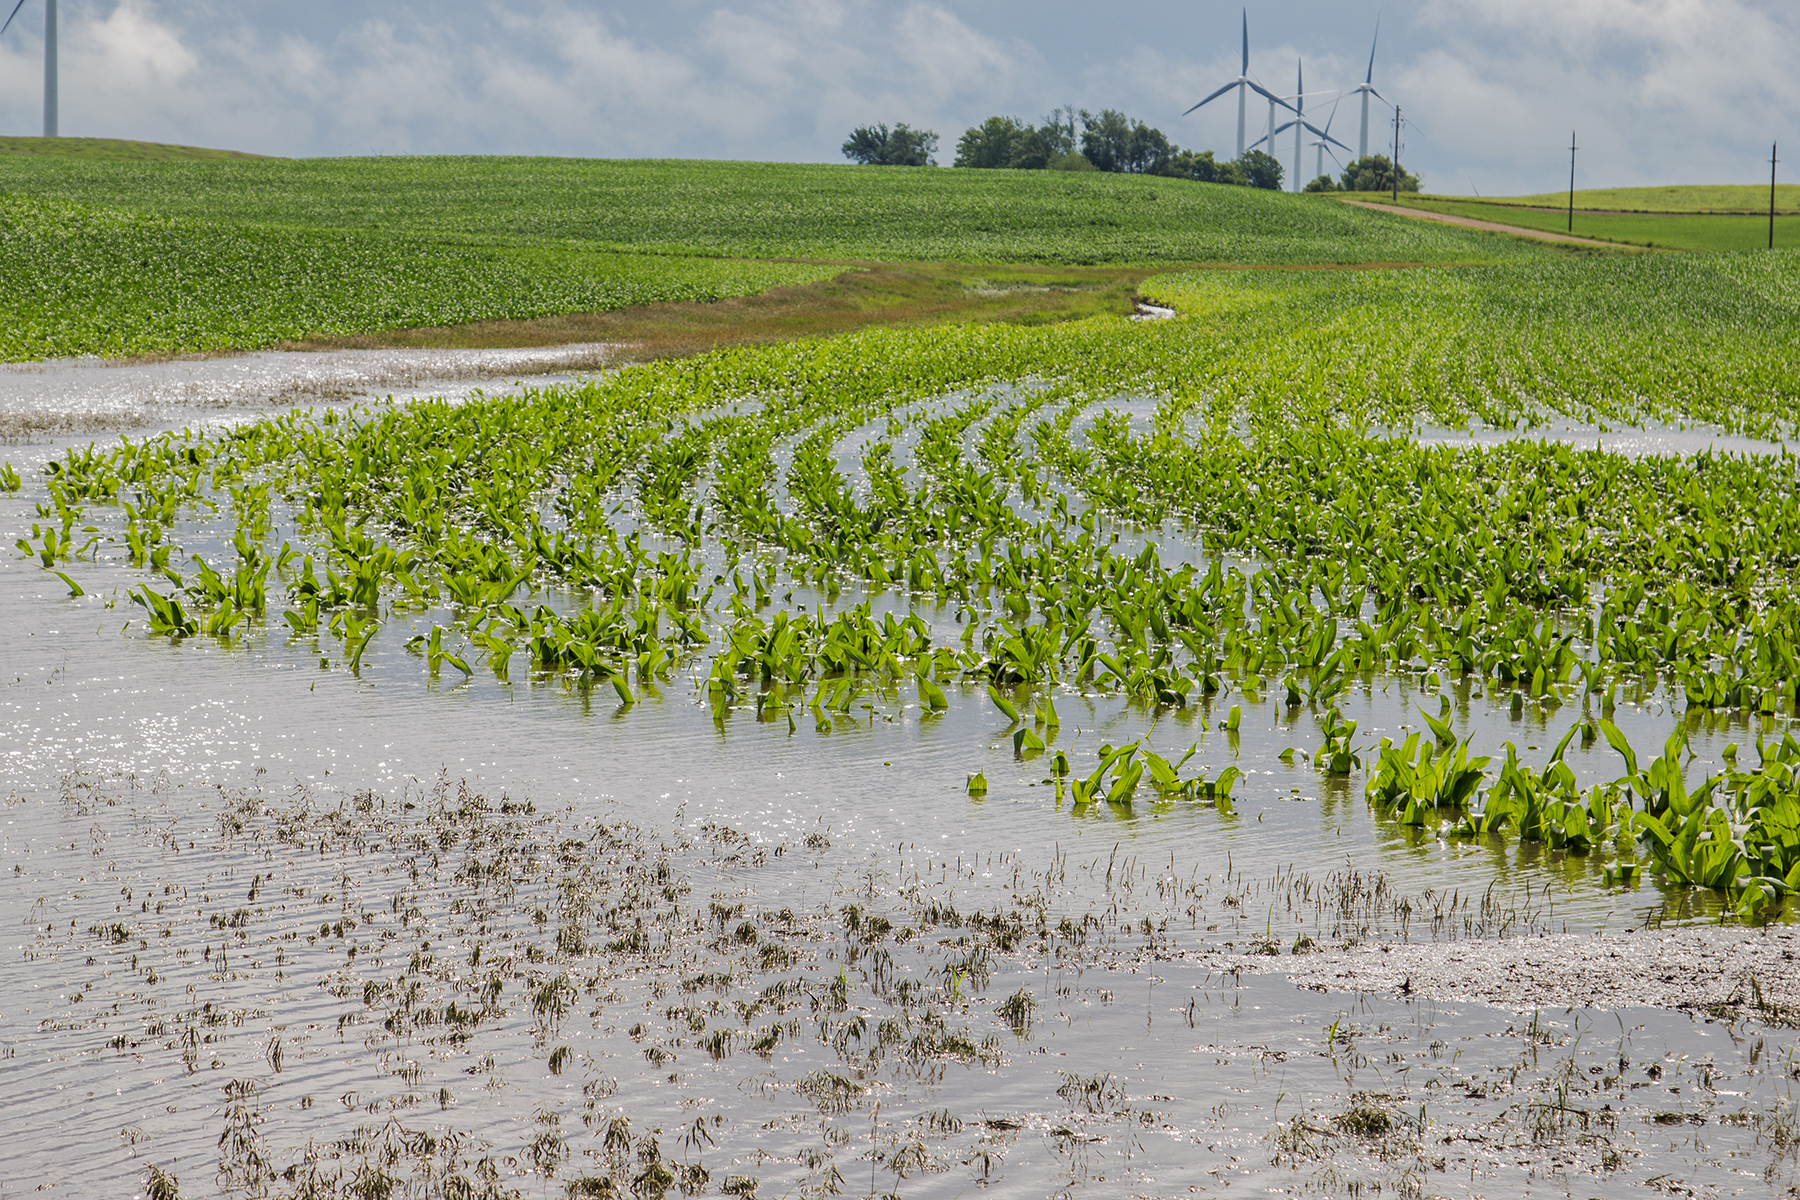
(1662, 91)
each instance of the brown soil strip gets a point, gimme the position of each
(866, 295)
(1489, 226)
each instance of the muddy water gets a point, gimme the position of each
(97, 395)
(197, 837)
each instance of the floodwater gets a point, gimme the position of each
(95, 395)
(1635, 442)
(272, 921)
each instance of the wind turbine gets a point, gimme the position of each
(1244, 84)
(49, 61)
(1367, 88)
(1300, 126)
(1319, 143)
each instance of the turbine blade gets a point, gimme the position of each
(1244, 71)
(1334, 108)
(1370, 77)
(15, 12)
(1208, 100)
(1271, 97)
(1325, 136)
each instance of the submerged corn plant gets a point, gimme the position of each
(1166, 519)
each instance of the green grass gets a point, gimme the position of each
(113, 150)
(766, 209)
(1684, 198)
(78, 280)
(1667, 231)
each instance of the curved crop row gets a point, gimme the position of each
(1015, 532)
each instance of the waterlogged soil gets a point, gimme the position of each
(93, 395)
(278, 929)
(300, 993)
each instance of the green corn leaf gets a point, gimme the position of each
(1002, 703)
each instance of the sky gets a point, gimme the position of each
(1657, 91)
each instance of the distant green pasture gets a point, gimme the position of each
(1689, 198)
(1669, 231)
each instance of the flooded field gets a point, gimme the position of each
(94, 395)
(331, 897)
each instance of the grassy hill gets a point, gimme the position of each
(161, 256)
(763, 209)
(114, 150)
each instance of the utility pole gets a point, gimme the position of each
(1571, 181)
(1772, 146)
(1396, 154)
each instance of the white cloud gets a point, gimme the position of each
(949, 59)
(1660, 89)
(130, 50)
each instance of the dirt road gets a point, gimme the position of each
(1490, 226)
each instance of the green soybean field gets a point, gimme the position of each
(764, 209)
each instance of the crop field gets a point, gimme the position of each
(124, 258)
(880, 764)
(77, 280)
(1677, 230)
(762, 210)
(988, 463)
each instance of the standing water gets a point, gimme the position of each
(281, 928)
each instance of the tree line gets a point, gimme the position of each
(1078, 140)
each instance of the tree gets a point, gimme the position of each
(1323, 183)
(1010, 142)
(1108, 141)
(991, 144)
(1058, 133)
(1204, 168)
(902, 146)
(1376, 174)
(1113, 141)
(1261, 170)
(1103, 137)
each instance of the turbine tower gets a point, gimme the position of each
(1299, 121)
(1301, 126)
(49, 61)
(1244, 85)
(1367, 88)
